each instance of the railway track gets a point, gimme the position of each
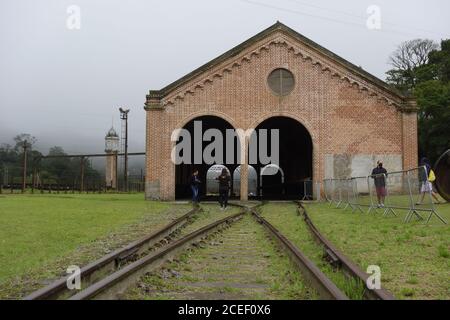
(339, 260)
(116, 283)
(311, 273)
(241, 262)
(112, 261)
(111, 276)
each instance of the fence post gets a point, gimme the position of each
(369, 188)
(33, 179)
(81, 174)
(388, 208)
(339, 186)
(24, 166)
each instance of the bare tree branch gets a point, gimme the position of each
(412, 54)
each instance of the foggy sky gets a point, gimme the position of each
(65, 86)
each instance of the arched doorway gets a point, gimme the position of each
(212, 185)
(200, 142)
(252, 181)
(271, 177)
(295, 159)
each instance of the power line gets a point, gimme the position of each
(364, 17)
(360, 25)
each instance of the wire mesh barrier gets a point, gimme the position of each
(68, 175)
(11, 179)
(421, 190)
(60, 173)
(336, 193)
(397, 191)
(333, 191)
(408, 190)
(328, 190)
(362, 194)
(311, 190)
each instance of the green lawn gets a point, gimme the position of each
(40, 235)
(414, 257)
(38, 229)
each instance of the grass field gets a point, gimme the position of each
(414, 258)
(39, 234)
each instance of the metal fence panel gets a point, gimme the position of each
(402, 190)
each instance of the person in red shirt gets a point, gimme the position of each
(379, 177)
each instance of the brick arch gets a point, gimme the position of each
(203, 113)
(293, 116)
(181, 124)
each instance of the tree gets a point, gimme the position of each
(441, 61)
(433, 97)
(428, 79)
(58, 170)
(9, 163)
(20, 140)
(406, 60)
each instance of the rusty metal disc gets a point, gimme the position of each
(442, 171)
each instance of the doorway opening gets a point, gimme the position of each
(285, 180)
(207, 171)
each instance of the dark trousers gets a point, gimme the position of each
(195, 194)
(223, 197)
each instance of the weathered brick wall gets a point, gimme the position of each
(343, 114)
(410, 143)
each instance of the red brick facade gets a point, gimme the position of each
(345, 110)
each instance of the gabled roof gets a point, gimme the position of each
(278, 26)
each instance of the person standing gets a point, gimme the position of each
(427, 178)
(195, 187)
(379, 176)
(224, 188)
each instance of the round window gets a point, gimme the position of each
(281, 81)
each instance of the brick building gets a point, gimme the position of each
(335, 119)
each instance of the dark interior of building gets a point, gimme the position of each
(295, 159)
(183, 171)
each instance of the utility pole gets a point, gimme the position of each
(24, 173)
(124, 117)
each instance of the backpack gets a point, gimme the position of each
(431, 176)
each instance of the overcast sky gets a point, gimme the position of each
(65, 86)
